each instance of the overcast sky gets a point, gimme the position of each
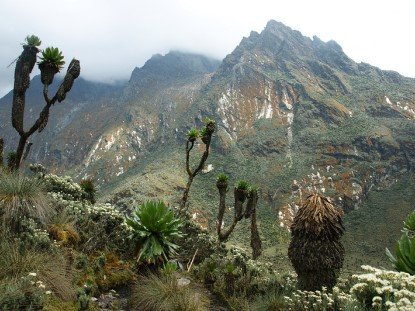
(112, 37)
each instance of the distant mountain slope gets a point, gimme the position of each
(83, 91)
(294, 115)
(84, 96)
(308, 118)
(93, 115)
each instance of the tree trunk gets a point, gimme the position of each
(19, 153)
(222, 208)
(186, 193)
(1, 151)
(256, 243)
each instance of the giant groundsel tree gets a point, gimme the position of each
(245, 204)
(51, 62)
(316, 251)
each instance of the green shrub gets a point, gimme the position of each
(64, 186)
(155, 227)
(34, 236)
(196, 239)
(20, 294)
(374, 289)
(405, 248)
(318, 300)
(92, 227)
(102, 228)
(235, 274)
(380, 289)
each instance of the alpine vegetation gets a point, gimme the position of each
(316, 251)
(405, 248)
(242, 193)
(155, 226)
(205, 135)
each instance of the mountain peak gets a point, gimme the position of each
(286, 45)
(282, 31)
(273, 25)
(173, 65)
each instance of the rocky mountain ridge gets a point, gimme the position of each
(294, 115)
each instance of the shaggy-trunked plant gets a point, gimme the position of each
(205, 135)
(242, 192)
(50, 63)
(315, 250)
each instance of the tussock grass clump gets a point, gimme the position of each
(88, 186)
(163, 293)
(62, 228)
(21, 197)
(18, 261)
(272, 301)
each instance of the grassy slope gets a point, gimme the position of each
(377, 224)
(371, 228)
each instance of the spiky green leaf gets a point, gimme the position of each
(155, 227)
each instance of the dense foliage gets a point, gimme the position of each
(52, 57)
(405, 248)
(155, 227)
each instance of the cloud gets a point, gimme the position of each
(111, 37)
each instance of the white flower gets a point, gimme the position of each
(404, 302)
(377, 299)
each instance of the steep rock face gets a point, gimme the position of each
(274, 68)
(146, 113)
(299, 116)
(102, 130)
